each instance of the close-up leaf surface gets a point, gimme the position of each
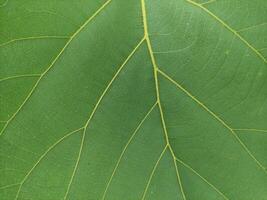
(133, 100)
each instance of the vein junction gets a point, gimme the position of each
(156, 71)
(229, 28)
(155, 67)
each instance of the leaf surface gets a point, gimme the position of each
(133, 100)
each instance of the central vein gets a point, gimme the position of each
(155, 69)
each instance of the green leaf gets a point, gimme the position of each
(133, 100)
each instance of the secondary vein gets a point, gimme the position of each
(54, 61)
(214, 115)
(95, 109)
(229, 28)
(125, 148)
(205, 180)
(34, 38)
(19, 76)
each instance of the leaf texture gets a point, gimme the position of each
(133, 100)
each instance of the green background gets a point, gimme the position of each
(133, 100)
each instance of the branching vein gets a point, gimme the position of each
(155, 68)
(94, 110)
(125, 148)
(205, 180)
(214, 115)
(229, 28)
(54, 61)
(42, 157)
(153, 172)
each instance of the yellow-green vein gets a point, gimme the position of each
(34, 38)
(43, 156)
(155, 69)
(94, 110)
(250, 129)
(20, 76)
(229, 28)
(8, 186)
(214, 115)
(251, 27)
(153, 172)
(208, 2)
(55, 60)
(205, 180)
(125, 148)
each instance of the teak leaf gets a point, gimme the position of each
(133, 100)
